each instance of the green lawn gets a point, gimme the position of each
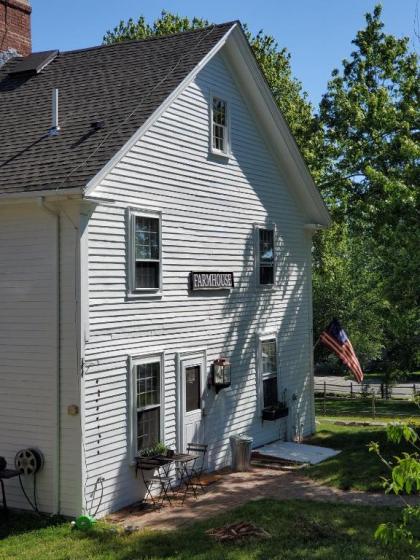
(362, 408)
(299, 531)
(355, 467)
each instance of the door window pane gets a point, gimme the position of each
(192, 388)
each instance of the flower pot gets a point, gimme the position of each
(271, 413)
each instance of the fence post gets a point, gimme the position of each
(373, 404)
(351, 389)
(382, 390)
(325, 397)
(414, 389)
(386, 391)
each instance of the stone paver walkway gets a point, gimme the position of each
(235, 489)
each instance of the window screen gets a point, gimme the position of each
(219, 125)
(269, 372)
(147, 252)
(148, 404)
(266, 256)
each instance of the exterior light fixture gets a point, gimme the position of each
(221, 374)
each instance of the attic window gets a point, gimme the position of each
(219, 126)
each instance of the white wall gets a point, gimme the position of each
(209, 206)
(29, 353)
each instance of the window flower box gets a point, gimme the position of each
(274, 412)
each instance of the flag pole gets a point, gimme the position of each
(316, 344)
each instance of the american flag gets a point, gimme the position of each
(335, 338)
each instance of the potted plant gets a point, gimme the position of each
(156, 451)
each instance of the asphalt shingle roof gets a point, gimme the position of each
(120, 85)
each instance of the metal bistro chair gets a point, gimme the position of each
(198, 466)
(159, 482)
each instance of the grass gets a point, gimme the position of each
(355, 467)
(413, 376)
(362, 408)
(299, 531)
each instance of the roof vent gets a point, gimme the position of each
(34, 63)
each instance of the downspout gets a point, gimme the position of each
(57, 457)
(311, 229)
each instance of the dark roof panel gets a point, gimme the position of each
(120, 85)
(34, 62)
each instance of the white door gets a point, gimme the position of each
(192, 376)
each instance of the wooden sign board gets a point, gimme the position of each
(211, 281)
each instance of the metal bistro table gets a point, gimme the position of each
(5, 475)
(161, 465)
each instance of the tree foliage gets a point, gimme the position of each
(371, 120)
(404, 479)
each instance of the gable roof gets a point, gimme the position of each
(126, 87)
(119, 85)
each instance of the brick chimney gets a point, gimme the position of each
(15, 28)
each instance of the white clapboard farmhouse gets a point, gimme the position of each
(155, 216)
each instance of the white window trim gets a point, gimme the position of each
(132, 291)
(257, 228)
(133, 362)
(227, 152)
(265, 337)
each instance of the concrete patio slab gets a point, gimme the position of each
(297, 452)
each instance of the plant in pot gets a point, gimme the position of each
(276, 410)
(159, 449)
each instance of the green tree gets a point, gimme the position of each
(404, 479)
(347, 285)
(371, 119)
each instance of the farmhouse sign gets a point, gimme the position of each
(211, 280)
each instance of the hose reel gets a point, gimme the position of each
(29, 461)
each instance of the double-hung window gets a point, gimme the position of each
(220, 119)
(268, 367)
(147, 397)
(266, 256)
(145, 252)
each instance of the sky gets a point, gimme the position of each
(317, 33)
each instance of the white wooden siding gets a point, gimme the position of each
(28, 353)
(209, 207)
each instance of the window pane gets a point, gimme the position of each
(147, 274)
(192, 388)
(147, 238)
(148, 428)
(269, 356)
(266, 246)
(219, 111)
(218, 137)
(266, 275)
(270, 391)
(148, 384)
